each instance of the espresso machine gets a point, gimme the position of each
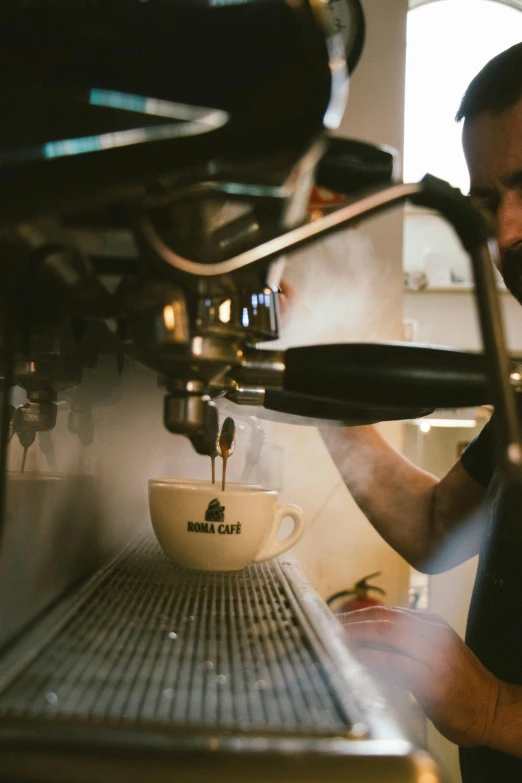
(156, 160)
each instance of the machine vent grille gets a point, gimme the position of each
(161, 645)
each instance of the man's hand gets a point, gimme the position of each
(422, 653)
(287, 297)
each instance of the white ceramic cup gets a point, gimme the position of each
(199, 526)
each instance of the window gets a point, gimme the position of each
(448, 42)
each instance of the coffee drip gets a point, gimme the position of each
(226, 443)
(213, 464)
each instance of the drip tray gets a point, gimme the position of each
(149, 658)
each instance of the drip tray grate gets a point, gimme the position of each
(157, 644)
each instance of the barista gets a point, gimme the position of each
(472, 692)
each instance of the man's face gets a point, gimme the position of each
(493, 149)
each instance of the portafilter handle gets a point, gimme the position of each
(388, 375)
(304, 409)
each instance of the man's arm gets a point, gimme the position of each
(411, 509)
(420, 652)
(506, 730)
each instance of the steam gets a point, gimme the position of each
(342, 293)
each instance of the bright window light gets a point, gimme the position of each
(447, 44)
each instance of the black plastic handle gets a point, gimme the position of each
(350, 166)
(388, 374)
(302, 405)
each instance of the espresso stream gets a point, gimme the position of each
(225, 448)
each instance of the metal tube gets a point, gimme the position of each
(375, 202)
(509, 450)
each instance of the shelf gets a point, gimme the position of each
(450, 289)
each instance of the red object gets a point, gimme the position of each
(321, 198)
(357, 597)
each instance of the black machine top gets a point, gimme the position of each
(181, 89)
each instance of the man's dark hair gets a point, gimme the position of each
(496, 87)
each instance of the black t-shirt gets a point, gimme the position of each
(494, 629)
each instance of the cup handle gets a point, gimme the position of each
(273, 548)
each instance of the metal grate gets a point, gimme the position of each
(154, 643)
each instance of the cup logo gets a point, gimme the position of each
(215, 512)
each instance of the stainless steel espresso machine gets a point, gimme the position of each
(156, 159)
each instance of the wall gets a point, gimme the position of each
(450, 318)
(447, 317)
